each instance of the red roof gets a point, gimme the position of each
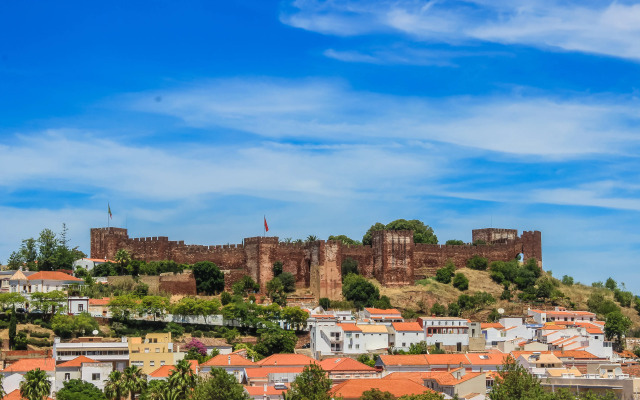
(263, 372)
(406, 326)
(344, 364)
(15, 395)
(383, 311)
(277, 360)
(99, 302)
(349, 327)
(495, 325)
(353, 388)
(27, 364)
(52, 276)
(165, 370)
(76, 362)
(254, 391)
(222, 360)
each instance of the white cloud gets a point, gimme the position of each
(329, 111)
(611, 28)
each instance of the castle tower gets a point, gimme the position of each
(393, 257)
(326, 272)
(260, 255)
(105, 242)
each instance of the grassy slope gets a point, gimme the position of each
(409, 297)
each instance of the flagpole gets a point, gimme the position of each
(108, 222)
(264, 227)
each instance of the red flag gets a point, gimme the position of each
(266, 227)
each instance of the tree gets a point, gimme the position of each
(567, 280)
(115, 388)
(344, 239)
(275, 290)
(616, 325)
(424, 396)
(49, 302)
(153, 305)
(277, 268)
(493, 316)
(182, 380)
(454, 242)
(312, 384)
(325, 303)
(349, 266)
(295, 317)
(13, 323)
(47, 249)
(219, 385)
(359, 290)
(611, 284)
(478, 263)
(275, 340)
(225, 298)
(376, 394)
(245, 286)
(288, 282)
(460, 281)
(366, 360)
(438, 309)
(122, 306)
(444, 274)
(36, 385)
(421, 233)
(453, 310)
(123, 258)
(134, 381)
(209, 278)
(311, 238)
(62, 325)
(77, 389)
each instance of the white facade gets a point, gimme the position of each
(446, 331)
(116, 353)
(96, 373)
(77, 305)
(403, 335)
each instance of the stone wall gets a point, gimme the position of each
(393, 258)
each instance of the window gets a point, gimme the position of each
(162, 363)
(157, 349)
(152, 363)
(81, 307)
(357, 346)
(67, 376)
(95, 377)
(146, 350)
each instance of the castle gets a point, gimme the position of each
(393, 258)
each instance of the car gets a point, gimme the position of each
(21, 310)
(306, 345)
(36, 312)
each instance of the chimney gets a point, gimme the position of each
(229, 360)
(265, 388)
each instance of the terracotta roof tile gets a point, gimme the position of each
(353, 388)
(76, 362)
(222, 360)
(344, 364)
(254, 391)
(27, 364)
(407, 326)
(383, 311)
(287, 360)
(488, 325)
(15, 395)
(350, 327)
(52, 276)
(263, 372)
(165, 370)
(99, 302)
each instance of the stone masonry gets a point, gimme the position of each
(393, 258)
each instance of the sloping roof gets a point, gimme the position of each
(350, 327)
(383, 311)
(575, 354)
(52, 276)
(447, 359)
(254, 391)
(446, 378)
(344, 364)
(18, 276)
(486, 358)
(404, 359)
(406, 326)
(367, 328)
(99, 302)
(488, 325)
(165, 370)
(27, 364)
(76, 362)
(222, 360)
(286, 360)
(263, 372)
(15, 395)
(417, 377)
(353, 388)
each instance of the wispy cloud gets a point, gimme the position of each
(611, 29)
(326, 110)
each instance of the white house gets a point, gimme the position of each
(83, 368)
(404, 334)
(448, 333)
(90, 263)
(386, 316)
(561, 314)
(42, 281)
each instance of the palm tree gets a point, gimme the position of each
(123, 258)
(114, 388)
(36, 385)
(134, 380)
(182, 379)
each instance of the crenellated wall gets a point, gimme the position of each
(393, 258)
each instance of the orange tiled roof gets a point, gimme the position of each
(27, 364)
(344, 364)
(488, 325)
(404, 359)
(263, 372)
(286, 360)
(222, 360)
(486, 358)
(575, 354)
(417, 377)
(383, 311)
(99, 302)
(406, 326)
(76, 362)
(353, 388)
(447, 359)
(165, 370)
(254, 391)
(349, 327)
(446, 378)
(15, 395)
(52, 276)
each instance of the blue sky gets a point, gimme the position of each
(195, 119)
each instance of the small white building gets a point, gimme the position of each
(404, 334)
(42, 281)
(386, 316)
(448, 333)
(83, 368)
(90, 263)
(561, 314)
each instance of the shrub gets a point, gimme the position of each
(39, 343)
(37, 334)
(409, 314)
(444, 274)
(567, 280)
(359, 290)
(325, 303)
(478, 263)
(197, 333)
(460, 282)
(349, 266)
(494, 315)
(453, 310)
(225, 298)
(438, 309)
